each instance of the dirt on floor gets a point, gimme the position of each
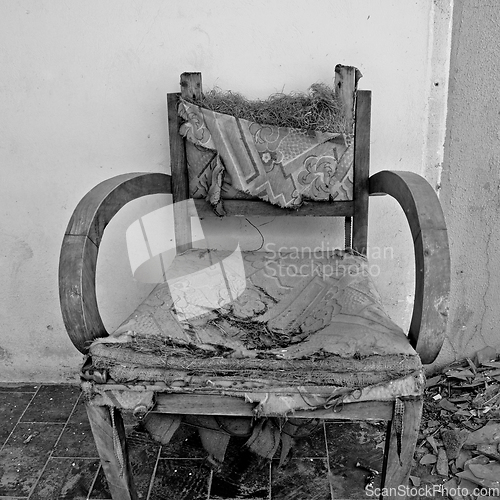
(458, 450)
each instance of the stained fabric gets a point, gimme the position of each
(246, 304)
(230, 157)
(285, 331)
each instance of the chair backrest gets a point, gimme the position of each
(357, 111)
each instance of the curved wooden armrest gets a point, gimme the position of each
(432, 256)
(77, 265)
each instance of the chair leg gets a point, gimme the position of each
(396, 475)
(112, 448)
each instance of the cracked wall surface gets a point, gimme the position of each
(471, 179)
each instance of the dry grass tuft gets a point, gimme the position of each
(319, 109)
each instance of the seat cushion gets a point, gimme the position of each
(253, 324)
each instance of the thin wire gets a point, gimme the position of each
(259, 231)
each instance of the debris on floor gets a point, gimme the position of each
(458, 448)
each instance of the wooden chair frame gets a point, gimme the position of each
(416, 197)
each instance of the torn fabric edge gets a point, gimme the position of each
(280, 165)
(281, 402)
(138, 401)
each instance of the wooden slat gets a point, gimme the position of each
(396, 473)
(118, 475)
(432, 289)
(415, 195)
(100, 205)
(432, 256)
(361, 171)
(191, 88)
(77, 271)
(255, 208)
(180, 182)
(77, 264)
(200, 404)
(346, 81)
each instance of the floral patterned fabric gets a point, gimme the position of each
(230, 157)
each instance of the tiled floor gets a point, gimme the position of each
(47, 452)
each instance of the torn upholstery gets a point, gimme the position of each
(284, 331)
(229, 157)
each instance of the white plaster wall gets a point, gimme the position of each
(82, 90)
(471, 180)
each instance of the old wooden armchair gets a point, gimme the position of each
(363, 368)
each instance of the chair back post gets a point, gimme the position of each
(361, 171)
(356, 109)
(345, 83)
(191, 88)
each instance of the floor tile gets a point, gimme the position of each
(100, 488)
(301, 479)
(12, 405)
(76, 439)
(185, 443)
(31, 462)
(52, 403)
(309, 442)
(181, 479)
(243, 475)
(350, 444)
(143, 456)
(24, 455)
(66, 478)
(79, 414)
